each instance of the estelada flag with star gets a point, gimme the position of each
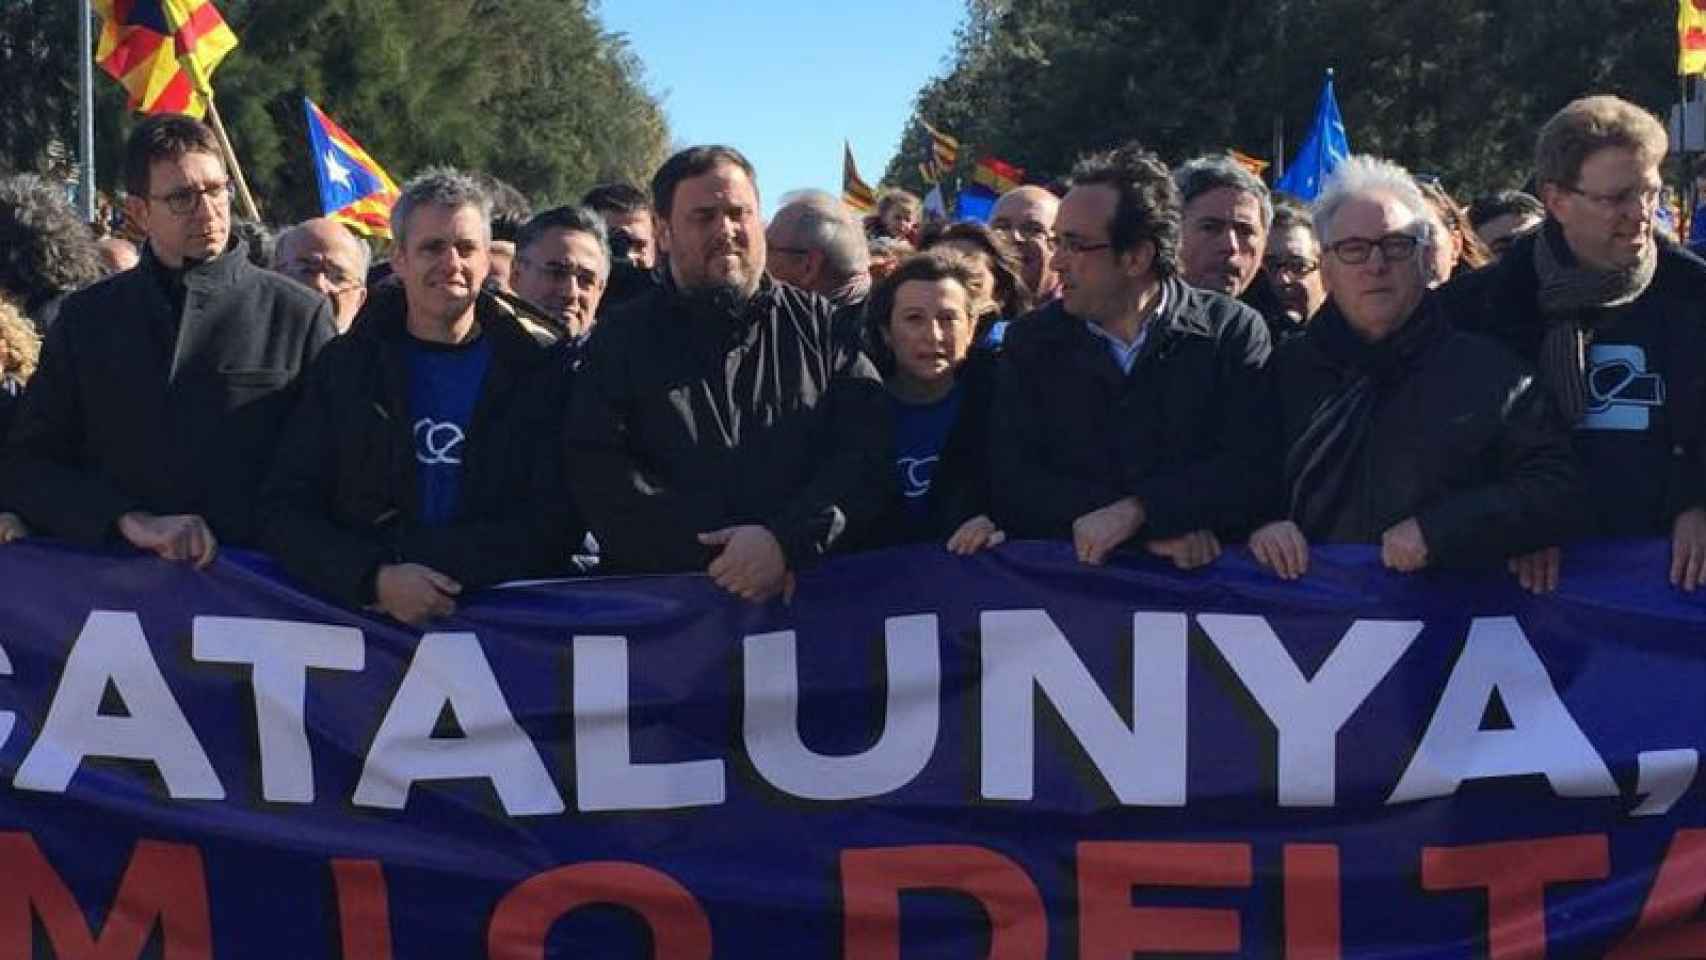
(163, 51)
(354, 190)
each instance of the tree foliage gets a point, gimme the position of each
(532, 91)
(1456, 88)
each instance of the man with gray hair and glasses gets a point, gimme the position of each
(323, 254)
(425, 458)
(1398, 429)
(817, 245)
(1613, 316)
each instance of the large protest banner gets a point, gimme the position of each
(924, 756)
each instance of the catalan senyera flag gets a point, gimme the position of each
(944, 150)
(163, 51)
(998, 175)
(1255, 165)
(354, 190)
(1691, 37)
(855, 192)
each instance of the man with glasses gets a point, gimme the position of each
(1400, 430)
(1292, 265)
(162, 390)
(1131, 408)
(562, 262)
(1614, 318)
(1025, 215)
(322, 253)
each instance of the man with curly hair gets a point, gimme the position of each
(45, 250)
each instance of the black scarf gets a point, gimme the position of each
(1321, 463)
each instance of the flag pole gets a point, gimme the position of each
(86, 104)
(205, 90)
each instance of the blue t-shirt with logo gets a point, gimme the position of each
(444, 385)
(920, 432)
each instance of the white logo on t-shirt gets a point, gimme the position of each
(1621, 393)
(438, 443)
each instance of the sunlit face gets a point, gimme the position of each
(1607, 215)
(1379, 294)
(1026, 216)
(631, 232)
(444, 260)
(187, 212)
(562, 272)
(901, 220)
(982, 288)
(1097, 282)
(1222, 242)
(929, 329)
(714, 236)
(1293, 260)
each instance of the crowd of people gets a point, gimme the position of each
(1147, 358)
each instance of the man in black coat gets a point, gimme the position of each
(425, 457)
(718, 423)
(162, 390)
(1399, 429)
(1132, 407)
(1613, 317)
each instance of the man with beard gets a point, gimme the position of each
(1614, 319)
(718, 423)
(561, 266)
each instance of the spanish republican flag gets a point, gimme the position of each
(998, 175)
(1691, 36)
(162, 51)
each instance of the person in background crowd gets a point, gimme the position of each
(627, 214)
(939, 397)
(1501, 218)
(162, 390)
(1459, 250)
(116, 255)
(1399, 429)
(323, 254)
(1132, 407)
(1292, 268)
(1227, 210)
(1025, 217)
(718, 423)
(816, 244)
(562, 263)
(45, 250)
(20, 349)
(886, 255)
(510, 210)
(998, 291)
(898, 213)
(257, 238)
(425, 458)
(1614, 318)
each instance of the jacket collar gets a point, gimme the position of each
(220, 271)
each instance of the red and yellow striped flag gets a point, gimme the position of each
(1691, 37)
(162, 51)
(855, 192)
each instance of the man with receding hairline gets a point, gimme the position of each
(1025, 216)
(322, 253)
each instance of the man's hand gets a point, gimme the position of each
(751, 565)
(12, 528)
(975, 534)
(1538, 571)
(1281, 547)
(181, 537)
(1198, 548)
(1403, 548)
(413, 593)
(1688, 549)
(1097, 533)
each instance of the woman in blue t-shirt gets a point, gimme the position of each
(923, 314)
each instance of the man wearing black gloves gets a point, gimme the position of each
(1131, 408)
(425, 458)
(718, 423)
(162, 390)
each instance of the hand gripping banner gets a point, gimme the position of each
(1007, 756)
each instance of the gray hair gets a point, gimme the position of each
(819, 221)
(1363, 175)
(1216, 171)
(441, 187)
(572, 217)
(290, 234)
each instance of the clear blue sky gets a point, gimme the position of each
(785, 81)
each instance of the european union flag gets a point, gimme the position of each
(354, 190)
(1323, 150)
